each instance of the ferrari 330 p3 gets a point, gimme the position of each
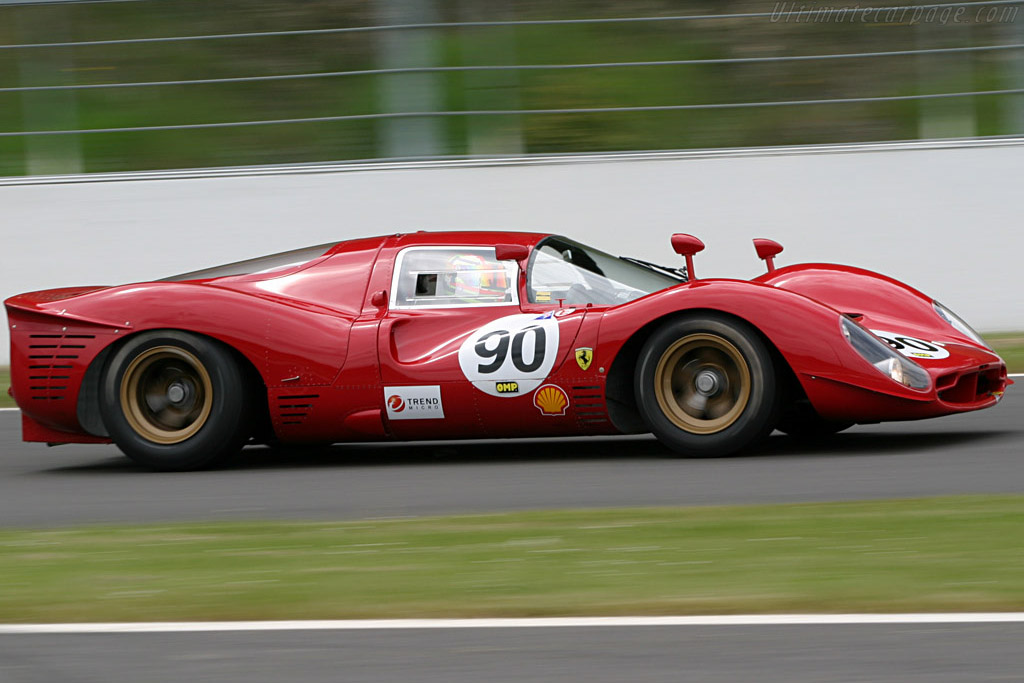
(484, 335)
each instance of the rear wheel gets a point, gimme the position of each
(175, 401)
(706, 386)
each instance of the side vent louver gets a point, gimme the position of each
(589, 405)
(294, 409)
(51, 358)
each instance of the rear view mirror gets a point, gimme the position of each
(767, 250)
(686, 246)
(511, 252)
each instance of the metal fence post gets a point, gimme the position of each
(409, 92)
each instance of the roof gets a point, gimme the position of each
(451, 237)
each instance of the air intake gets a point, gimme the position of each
(293, 410)
(588, 403)
(51, 359)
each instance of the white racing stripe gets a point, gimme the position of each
(556, 622)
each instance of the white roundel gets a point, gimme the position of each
(911, 347)
(510, 356)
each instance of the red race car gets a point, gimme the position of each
(484, 335)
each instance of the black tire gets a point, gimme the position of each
(706, 386)
(175, 401)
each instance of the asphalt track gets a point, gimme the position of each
(645, 654)
(974, 453)
(980, 452)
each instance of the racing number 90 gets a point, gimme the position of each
(900, 343)
(500, 350)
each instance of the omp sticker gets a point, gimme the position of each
(506, 387)
(911, 347)
(517, 349)
(551, 400)
(414, 403)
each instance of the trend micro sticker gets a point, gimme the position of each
(515, 350)
(912, 347)
(584, 356)
(414, 403)
(551, 400)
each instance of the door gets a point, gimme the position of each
(459, 357)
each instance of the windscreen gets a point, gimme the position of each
(263, 264)
(561, 269)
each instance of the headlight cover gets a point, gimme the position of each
(886, 360)
(958, 323)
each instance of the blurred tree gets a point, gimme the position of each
(48, 110)
(490, 90)
(361, 93)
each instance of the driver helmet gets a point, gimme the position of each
(472, 275)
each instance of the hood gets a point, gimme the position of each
(880, 303)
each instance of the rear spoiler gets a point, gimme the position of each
(41, 303)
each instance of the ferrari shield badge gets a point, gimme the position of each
(584, 356)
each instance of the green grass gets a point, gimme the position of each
(5, 382)
(938, 554)
(1009, 345)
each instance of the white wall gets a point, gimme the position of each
(943, 217)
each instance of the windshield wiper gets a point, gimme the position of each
(675, 273)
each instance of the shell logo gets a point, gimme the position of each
(396, 403)
(551, 400)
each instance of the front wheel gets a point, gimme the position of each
(175, 401)
(706, 386)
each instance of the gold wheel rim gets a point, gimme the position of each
(702, 383)
(166, 395)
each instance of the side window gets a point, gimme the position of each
(440, 277)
